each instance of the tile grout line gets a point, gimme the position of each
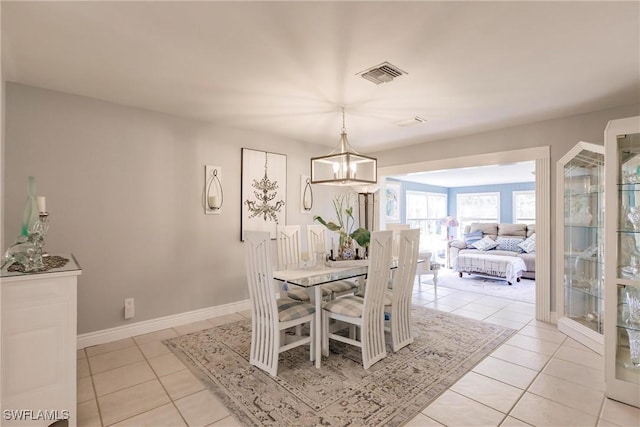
(533, 380)
(160, 382)
(524, 391)
(145, 359)
(190, 394)
(507, 414)
(93, 386)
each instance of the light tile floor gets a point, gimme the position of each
(539, 377)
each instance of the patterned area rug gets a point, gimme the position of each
(341, 393)
(524, 291)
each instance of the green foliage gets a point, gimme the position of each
(345, 222)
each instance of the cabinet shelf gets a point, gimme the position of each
(628, 231)
(587, 291)
(586, 194)
(577, 256)
(628, 186)
(628, 326)
(593, 227)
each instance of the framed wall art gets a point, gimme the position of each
(264, 191)
(392, 201)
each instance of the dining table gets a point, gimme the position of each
(312, 276)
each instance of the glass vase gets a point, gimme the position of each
(30, 214)
(346, 250)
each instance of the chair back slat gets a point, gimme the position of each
(316, 238)
(396, 228)
(288, 244)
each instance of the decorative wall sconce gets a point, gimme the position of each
(213, 194)
(306, 194)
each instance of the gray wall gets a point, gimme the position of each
(560, 134)
(123, 189)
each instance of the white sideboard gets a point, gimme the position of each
(39, 315)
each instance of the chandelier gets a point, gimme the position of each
(343, 166)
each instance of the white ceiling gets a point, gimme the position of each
(286, 68)
(480, 175)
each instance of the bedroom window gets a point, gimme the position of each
(524, 207)
(424, 211)
(477, 207)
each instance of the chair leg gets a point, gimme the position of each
(298, 330)
(312, 346)
(352, 332)
(274, 350)
(325, 334)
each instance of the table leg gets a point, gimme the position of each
(318, 332)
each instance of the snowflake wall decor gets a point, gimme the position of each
(265, 191)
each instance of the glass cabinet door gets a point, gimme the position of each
(581, 200)
(622, 356)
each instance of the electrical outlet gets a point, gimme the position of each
(129, 308)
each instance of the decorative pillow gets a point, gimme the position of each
(510, 244)
(471, 238)
(529, 245)
(485, 244)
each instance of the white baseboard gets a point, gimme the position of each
(120, 332)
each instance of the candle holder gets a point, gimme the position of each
(40, 233)
(213, 192)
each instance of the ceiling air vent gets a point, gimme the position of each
(382, 73)
(412, 121)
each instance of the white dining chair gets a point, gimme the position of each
(396, 228)
(289, 254)
(398, 302)
(270, 317)
(316, 238)
(365, 314)
(427, 268)
(288, 245)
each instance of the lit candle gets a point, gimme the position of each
(42, 204)
(213, 202)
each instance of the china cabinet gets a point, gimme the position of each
(39, 336)
(580, 302)
(622, 272)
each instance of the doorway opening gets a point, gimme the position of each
(540, 156)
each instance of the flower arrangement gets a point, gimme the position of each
(449, 221)
(345, 223)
